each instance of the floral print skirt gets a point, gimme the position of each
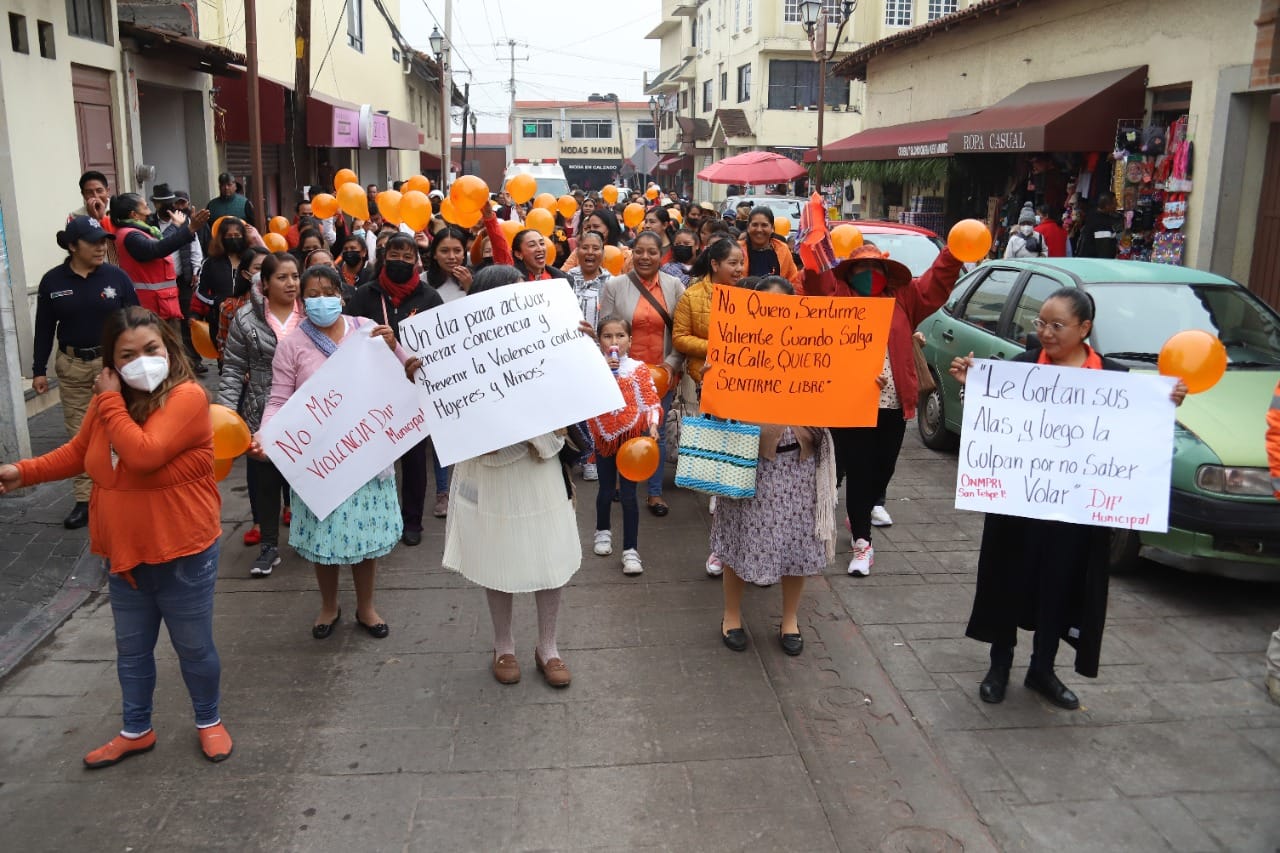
(364, 526)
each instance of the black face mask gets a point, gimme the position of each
(398, 271)
(683, 254)
(352, 258)
(235, 245)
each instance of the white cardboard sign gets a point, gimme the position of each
(506, 365)
(1067, 444)
(350, 421)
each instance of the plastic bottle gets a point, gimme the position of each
(613, 356)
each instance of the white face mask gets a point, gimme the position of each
(1026, 229)
(146, 372)
(257, 279)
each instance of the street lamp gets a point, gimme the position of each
(813, 16)
(442, 56)
(655, 111)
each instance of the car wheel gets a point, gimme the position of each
(932, 422)
(1122, 555)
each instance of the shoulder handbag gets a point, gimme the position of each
(649, 297)
(718, 457)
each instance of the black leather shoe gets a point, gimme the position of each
(78, 517)
(411, 537)
(1048, 686)
(378, 632)
(993, 686)
(322, 632)
(734, 638)
(792, 644)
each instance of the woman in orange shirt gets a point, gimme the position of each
(154, 514)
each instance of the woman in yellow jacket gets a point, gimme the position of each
(766, 253)
(720, 263)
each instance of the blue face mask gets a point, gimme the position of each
(323, 311)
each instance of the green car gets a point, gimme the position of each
(1223, 516)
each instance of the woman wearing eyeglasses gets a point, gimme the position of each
(1046, 576)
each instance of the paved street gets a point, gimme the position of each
(872, 740)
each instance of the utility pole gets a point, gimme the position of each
(447, 103)
(302, 170)
(511, 86)
(466, 112)
(617, 114)
(255, 117)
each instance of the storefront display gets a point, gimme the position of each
(1151, 180)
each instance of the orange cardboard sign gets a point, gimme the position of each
(807, 360)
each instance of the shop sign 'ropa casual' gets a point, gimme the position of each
(996, 140)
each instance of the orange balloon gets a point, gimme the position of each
(388, 202)
(230, 433)
(216, 223)
(782, 226)
(447, 210)
(352, 200)
(343, 177)
(969, 240)
(275, 243)
(613, 260)
(633, 214)
(415, 209)
(551, 252)
(417, 183)
(844, 239)
(638, 459)
(462, 219)
(201, 339)
(324, 205)
(567, 206)
(609, 194)
(1194, 356)
(652, 192)
(511, 228)
(468, 193)
(545, 201)
(661, 378)
(278, 225)
(677, 216)
(541, 220)
(521, 187)
(221, 468)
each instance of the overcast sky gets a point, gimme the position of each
(577, 49)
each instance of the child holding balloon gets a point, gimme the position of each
(618, 459)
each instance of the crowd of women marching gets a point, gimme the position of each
(279, 300)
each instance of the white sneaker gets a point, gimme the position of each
(880, 517)
(712, 505)
(604, 543)
(864, 557)
(631, 564)
(715, 568)
(590, 474)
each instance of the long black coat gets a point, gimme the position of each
(1018, 555)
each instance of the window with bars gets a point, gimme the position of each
(724, 85)
(706, 96)
(744, 82)
(590, 128)
(793, 84)
(646, 130)
(88, 19)
(897, 13)
(535, 128)
(938, 8)
(355, 24)
(791, 11)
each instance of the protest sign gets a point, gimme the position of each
(351, 420)
(1067, 444)
(507, 365)
(809, 360)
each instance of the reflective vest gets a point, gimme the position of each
(156, 282)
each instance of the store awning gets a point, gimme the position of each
(675, 163)
(1071, 114)
(906, 141)
(178, 49)
(332, 123)
(403, 135)
(429, 164)
(231, 123)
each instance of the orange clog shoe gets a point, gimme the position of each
(118, 749)
(215, 742)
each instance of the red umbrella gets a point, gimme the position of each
(751, 168)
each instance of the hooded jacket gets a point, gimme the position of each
(245, 383)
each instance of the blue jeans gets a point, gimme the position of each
(442, 474)
(608, 469)
(179, 593)
(655, 482)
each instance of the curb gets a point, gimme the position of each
(84, 581)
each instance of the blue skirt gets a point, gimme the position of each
(364, 526)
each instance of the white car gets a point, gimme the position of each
(548, 173)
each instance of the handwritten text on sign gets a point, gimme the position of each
(809, 360)
(506, 365)
(352, 419)
(1067, 444)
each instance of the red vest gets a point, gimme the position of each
(156, 282)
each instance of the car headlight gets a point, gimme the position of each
(1251, 482)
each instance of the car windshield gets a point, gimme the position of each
(915, 251)
(787, 207)
(1136, 319)
(556, 186)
